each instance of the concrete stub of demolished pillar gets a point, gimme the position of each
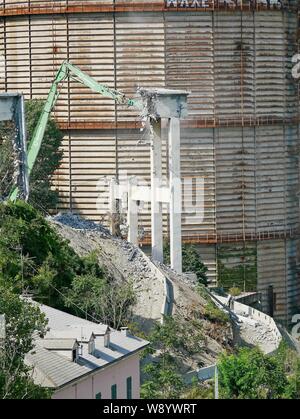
(169, 105)
(12, 109)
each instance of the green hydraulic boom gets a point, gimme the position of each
(66, 70)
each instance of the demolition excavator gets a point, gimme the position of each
(66, 70)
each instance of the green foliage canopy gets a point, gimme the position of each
(250, 374)
(34, 257)
(22, 320)
(191, 261)
(42, 194)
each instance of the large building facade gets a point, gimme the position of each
(241, 137)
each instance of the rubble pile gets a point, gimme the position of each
(126, 262)
(78, 223)
(258, 334)
(121, 260)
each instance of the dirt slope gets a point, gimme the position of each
(125, 262)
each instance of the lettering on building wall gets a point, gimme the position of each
(203, 4)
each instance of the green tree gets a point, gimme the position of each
(33, 256)
(22, 320)
(7, 155)
(290, 360)
(105, 300)
(42, 194)
(191, 261)
(163, 381)
(250, 374)
(293, 390)
(162, 376)
(198, 390)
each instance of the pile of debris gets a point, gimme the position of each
(126, 262)
(250, 331)
(120, 259)
(78, 223)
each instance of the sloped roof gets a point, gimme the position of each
(80, 333)
(59, 320)
(59, 344)
(54, 370)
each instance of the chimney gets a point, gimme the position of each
(91, 345)
(103, 339)
(125, 331)
(107, 339)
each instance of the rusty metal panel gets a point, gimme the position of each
(42, 7)
(91, 47)
(245, 50)
(271, 271)
(129, 5)
(182, 6)
(270, 73)
(140, 55)
(270, 178)
(292, 176)
(2, 56)
(278, 266)
(233, 48)
(235, 182)
(293, 277)
(88, 2)
(51, 3)
(89, 158)
(198, 174)
(291, 47)
(17, 55)
(256, 180)
(47, 49)
(209, 258)
(189, 59)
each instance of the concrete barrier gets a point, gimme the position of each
(167, 306)
(243, 309)
(206, 373)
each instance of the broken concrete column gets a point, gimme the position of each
(132, 213)
(171, 105)
(156, 206)
(175, 195)
(12, 108)
(114, 207)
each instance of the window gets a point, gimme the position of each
(98, 396)
(129, 388)
(114, 392)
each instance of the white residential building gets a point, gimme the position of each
(80, 359)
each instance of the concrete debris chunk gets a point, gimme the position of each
(75, 221)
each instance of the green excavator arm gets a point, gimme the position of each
(66, 70)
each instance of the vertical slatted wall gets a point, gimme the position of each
(190, 62)
(237, 66)
(271, 270)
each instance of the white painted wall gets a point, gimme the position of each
(102, 381)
